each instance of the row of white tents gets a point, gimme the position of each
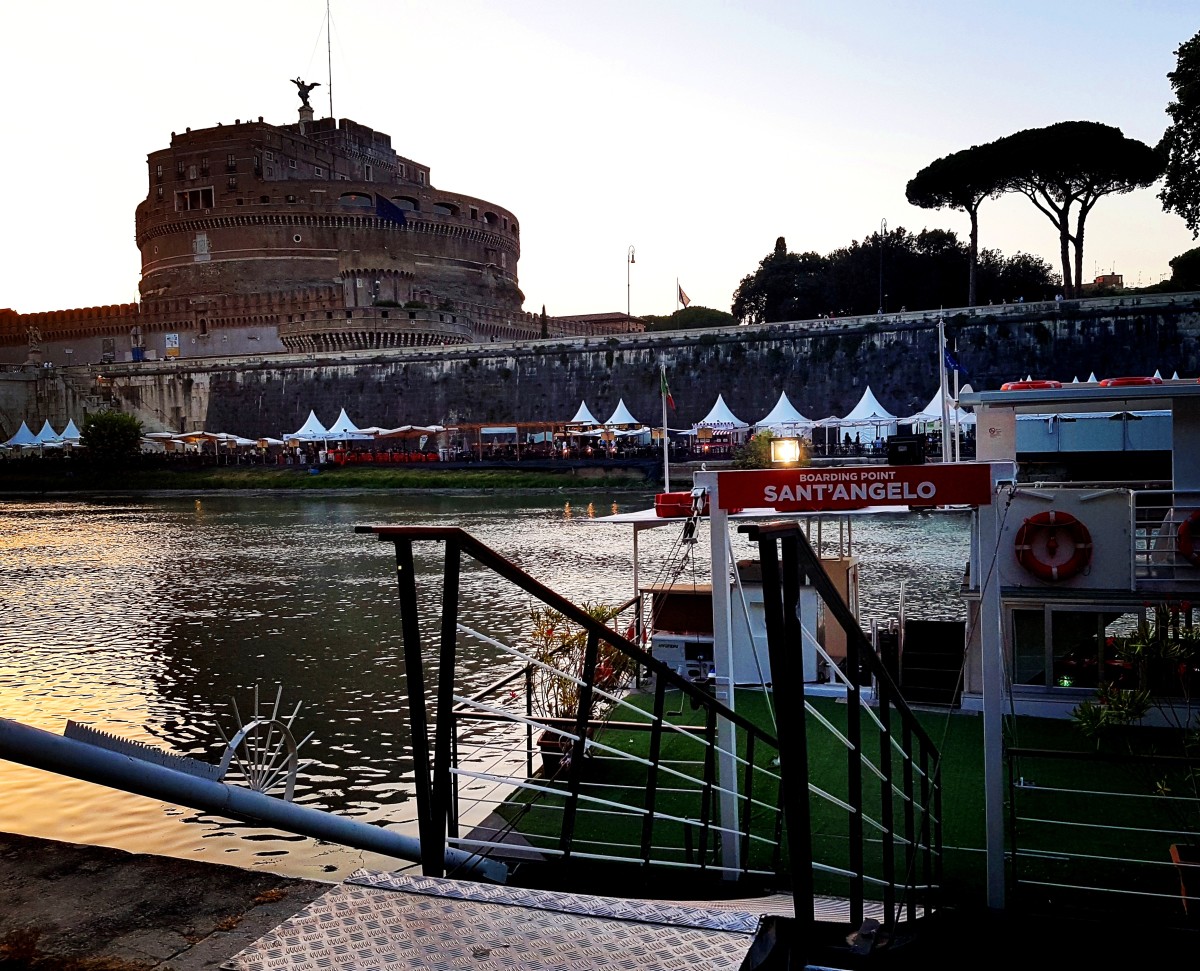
(786, 419)
(46, 438)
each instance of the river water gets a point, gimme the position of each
(145, 616)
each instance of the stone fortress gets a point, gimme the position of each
(314, 237)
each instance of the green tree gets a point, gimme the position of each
(689, 318)
(960, 181)
(786, 286)
(1185, 270)
(111, 436)
(1180, 145)
(1073, 163)
(756, 452)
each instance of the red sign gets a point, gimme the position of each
(853, 487)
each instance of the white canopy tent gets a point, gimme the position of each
(24, 438)
(47, 435)
(344, 430)
(720, 418)
(868, 413)
(311, 431)
(784, 419)
(621, 416)
(931, 414)
(583, 416)
(71, 434)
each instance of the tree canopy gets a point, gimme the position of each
(111, 436)
(923, 272)
(1069, 164)
(960, 181)
(1180, 145)
(689, 318)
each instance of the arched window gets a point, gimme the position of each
(356, 200)
(490, 218)
(404, 202)
(445, 209)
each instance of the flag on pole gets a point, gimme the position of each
(683, 299)
(952, 364)
(662, 387)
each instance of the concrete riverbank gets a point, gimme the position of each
(64, 905)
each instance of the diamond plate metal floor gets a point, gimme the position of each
(390, 921)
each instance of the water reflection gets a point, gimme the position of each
(146, 617)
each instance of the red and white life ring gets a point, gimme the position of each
(1186, 538)
(1029, 545)
(1030, 385)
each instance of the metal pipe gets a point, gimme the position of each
(66, 756)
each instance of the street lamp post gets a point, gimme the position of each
(629, 261)
(882, 235)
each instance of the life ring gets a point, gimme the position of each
(1128, 382)
(1051, 522)
(1030, 385)
(1188, 534)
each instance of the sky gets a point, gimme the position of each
(695, 131)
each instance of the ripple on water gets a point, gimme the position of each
(146, 618)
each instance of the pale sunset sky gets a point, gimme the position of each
(697, 131)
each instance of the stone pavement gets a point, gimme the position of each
(61, 903)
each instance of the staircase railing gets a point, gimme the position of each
(638, 783)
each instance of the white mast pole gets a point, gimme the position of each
(941, 355)
(666, 450)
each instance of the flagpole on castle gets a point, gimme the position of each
(676, 299)
(941, 356)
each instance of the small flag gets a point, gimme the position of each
(662, 387)
(952, 364)
(683, 299)
(386, 209)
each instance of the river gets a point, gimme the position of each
(145, 616)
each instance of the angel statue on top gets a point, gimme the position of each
(304, 89)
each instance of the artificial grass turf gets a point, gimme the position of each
(606, 830)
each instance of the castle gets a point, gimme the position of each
(314, 237)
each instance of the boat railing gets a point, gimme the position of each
(657, 779)
(1163, 558)
(1113, 830)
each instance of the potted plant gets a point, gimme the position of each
(559, 646)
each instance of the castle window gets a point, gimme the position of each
(204, 166)
(270, 171)
(158, 172)
(203, 322)
(270, 156)
(404, 202)
(231, 162)
(356, 200)
(319, 172)
(257, 166)
(264, 200)
(445, 209)
(474, 213)
(370, 173)
(400, 170)
(291, 198)
(189, 199)
(232, 183)
(490, 218)
(291, 163)
(193, 173)
(180, 169)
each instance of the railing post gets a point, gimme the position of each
(431, 832)
(660, 704)
(887, 805)
(793, 748)
(444, 726)
(582, 717)
(910, 835)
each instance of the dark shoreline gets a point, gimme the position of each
(68, 905)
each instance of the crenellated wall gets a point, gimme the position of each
(824, 366)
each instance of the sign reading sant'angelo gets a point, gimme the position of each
(853, 487)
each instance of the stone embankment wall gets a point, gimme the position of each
(824, 366)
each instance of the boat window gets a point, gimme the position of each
(1029, 647)
(1077, 646)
